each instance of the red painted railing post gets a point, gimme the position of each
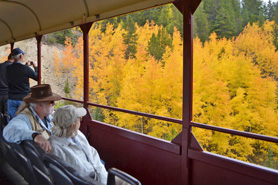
(187, 88)
(85, 29)
(39, 38)
(12, 46)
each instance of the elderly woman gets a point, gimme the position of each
(71, 145)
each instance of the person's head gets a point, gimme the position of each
(17, 54)
(67, 120)
(10, 58)
(42, 100)
(44, 108)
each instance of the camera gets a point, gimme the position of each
(29, 63)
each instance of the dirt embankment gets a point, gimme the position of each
(48, 73)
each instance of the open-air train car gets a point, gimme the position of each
(152, 161)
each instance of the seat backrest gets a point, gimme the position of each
(35, 154)
(25, 163)
(42, 178)
(113, 172)
(2, 146)
(59, 177)
(1, 122)
(71, 173)
(9, 153)
(10, 156)
(4, 120)
(7, 118)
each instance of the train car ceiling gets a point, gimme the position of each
(23, 19)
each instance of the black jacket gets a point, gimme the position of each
(3, 81)
(18, 79)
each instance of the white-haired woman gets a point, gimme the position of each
(71, 145)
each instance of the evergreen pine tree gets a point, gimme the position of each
(158, 43)
(211, 9)
(253, 9)
(237, 16)
(130, 37)
(225, 25)
(270, 11)
(201, 24)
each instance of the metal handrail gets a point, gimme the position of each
(129, 111)
(69, 99)
(138, 113)
(194, 124)
(235, 132)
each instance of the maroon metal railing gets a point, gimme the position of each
(129, 111)
(138, 113)
(73, 100)
(235, 132)
(194, 124)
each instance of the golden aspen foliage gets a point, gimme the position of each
(134, 71)
(232, 90)
(69, 56)
(234, 85)
(256, 42)
(78, 71)
(107, 60)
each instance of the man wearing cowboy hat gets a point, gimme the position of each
(34, 120)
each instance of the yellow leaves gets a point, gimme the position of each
(107, 58)
(203, 136)
(149, 87)
(233, 84)
(256, 42)
(69, 55)
(233, 89)
(160, 131)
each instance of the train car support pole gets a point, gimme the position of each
(39, 53)
(85, 29)
(12, 46)
(187, 89)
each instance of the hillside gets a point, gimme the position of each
(48, 74)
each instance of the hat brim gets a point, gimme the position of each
(54, 97)
(80, 112)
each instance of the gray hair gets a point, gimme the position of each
(63, 132)
(33, 105)
(16, 57)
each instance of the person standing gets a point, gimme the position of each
(18, 76)
(4, 84)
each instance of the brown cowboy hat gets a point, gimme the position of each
(40, 93)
